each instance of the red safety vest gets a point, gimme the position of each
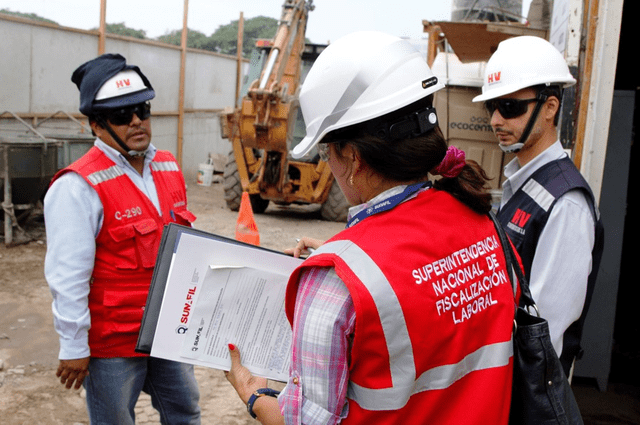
(434, 314)
(127, 245)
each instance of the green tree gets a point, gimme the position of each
(225, 39)
(122, 29)
(195, 39)
(28, 16)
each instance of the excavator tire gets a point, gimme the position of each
(336, 207)
(232, 185)
(233, 189)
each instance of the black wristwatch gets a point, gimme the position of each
(259, 393)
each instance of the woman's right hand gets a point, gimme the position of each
(239, 376)
(304, 246)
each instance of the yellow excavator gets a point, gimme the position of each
(268, 124)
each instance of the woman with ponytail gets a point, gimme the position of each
(406, 315)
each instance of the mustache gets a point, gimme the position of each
(502, 130)
(138, 130)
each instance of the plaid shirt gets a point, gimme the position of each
(322, 330)
(324, 321)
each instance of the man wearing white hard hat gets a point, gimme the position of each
(104, 216)
(547, 207)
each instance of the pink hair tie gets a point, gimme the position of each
(452, 163)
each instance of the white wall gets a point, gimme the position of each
(35, 80)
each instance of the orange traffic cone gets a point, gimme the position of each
(246, 228)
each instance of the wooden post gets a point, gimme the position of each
(103, 27)
(585, 80)
(239, 56)
(435, 41)
(8, 203)
(183, 60)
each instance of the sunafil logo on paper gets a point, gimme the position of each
(494, 77)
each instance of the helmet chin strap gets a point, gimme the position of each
(130, 152)
(516, 147)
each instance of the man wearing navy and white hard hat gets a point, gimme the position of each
(547, 207)
(104, 217)
(114, 95)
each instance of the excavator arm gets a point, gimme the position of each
(262, 128)
(263, 117)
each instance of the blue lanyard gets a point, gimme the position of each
(389, 203)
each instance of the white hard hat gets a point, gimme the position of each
(359, 77)
(521, 62)
(123, 89)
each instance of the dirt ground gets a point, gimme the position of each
(29, 390)
(31, 394)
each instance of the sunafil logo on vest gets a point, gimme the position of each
(519, 221)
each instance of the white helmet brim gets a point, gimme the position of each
(361, 76)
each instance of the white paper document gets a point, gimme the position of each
(219, 293)
(242, 306)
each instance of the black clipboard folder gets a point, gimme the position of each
(168, 243)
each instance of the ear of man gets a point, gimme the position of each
(95, 127)
(552, 106)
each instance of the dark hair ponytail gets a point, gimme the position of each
(469, 187)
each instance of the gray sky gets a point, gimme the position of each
(330, 20)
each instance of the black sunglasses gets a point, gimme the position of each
(509, 108)
(123, 116)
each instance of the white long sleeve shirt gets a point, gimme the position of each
(73, 218)
(562, 260)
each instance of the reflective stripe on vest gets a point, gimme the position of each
(115, 171)
(402, 365)
(538, 193)
(164, 166)
(104, 175)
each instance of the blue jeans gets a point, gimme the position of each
(114, 385)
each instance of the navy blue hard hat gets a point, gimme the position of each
(107, 82)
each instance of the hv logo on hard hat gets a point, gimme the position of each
(494, 77)
(123, 84)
